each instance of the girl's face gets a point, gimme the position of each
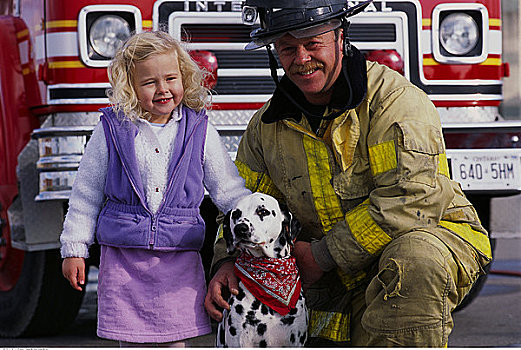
(159, 85)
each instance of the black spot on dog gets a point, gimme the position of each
(282, 241)
(292, 338)
(221, 334)
(251, 319)
(233, 331)
(236, 214)
(241, 294)
(256, 304)
(302, 338)
(273, 213)
(239, 309)
(262, 344)
(264, 309)
(293, 311)
(288, 320)
(261, 329)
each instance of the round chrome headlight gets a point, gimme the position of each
(458, 33)
(107, 34)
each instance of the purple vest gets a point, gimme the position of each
(125, 220)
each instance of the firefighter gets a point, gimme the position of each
(389, 243)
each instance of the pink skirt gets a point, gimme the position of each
(147, 296)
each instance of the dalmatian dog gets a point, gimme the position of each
(270, 309)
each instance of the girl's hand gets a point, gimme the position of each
(74, 270)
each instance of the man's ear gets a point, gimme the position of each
(227, 234)
(290, 225)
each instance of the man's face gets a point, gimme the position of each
(313, 63)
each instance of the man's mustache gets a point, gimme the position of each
(305, 67)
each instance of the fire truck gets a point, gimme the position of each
(53, 60)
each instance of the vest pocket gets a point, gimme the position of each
(122, 229)
(180, 233)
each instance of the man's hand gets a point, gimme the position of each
(309, 270)
(74, 270)
(224, 281)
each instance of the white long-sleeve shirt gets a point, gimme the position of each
(153, 147)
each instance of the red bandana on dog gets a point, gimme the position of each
(275, 282)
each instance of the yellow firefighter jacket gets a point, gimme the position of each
(379, 171)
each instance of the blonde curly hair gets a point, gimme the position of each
(139, 47)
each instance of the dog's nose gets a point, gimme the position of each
(241, 230)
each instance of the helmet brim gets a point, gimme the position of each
(308, 32)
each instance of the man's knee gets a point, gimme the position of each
(410, 299)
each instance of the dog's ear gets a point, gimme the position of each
(290, 225)
(227, 234)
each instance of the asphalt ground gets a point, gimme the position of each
(493, 319)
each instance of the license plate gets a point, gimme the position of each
(486, 169)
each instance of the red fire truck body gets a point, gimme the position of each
(53, 80)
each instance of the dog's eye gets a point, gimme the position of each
(262, 212)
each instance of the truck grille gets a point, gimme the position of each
(258, 59)
(239, 33)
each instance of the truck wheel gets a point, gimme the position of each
(40, 301)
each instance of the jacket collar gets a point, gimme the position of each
(348, 92)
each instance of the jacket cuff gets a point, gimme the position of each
(74, 250)
(322, 256)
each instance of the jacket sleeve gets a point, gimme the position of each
(412, 188)
(221, 178)
(86, 198)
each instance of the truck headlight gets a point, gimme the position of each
(102, 29)
(107, 34)
(459, 33)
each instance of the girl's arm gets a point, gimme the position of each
(86, 198)
(221, 178)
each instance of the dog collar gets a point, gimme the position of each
(275, 282)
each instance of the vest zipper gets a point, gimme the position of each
(153, 225)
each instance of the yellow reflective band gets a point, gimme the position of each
(219, 233)
(327, 204)
(492, 62)
(487, 62)
(382, 157)
(494, 22)
(329, 325)
(477, 239)
(443, 165)
(426, 22)
(66, 64)
(61, 23)
(258, 182)
(146, 23)
(349, 281)
(365, 230)
(22, 33)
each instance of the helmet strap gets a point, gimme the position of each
(348, 51)
(274, 66)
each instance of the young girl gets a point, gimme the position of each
(139, 187)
